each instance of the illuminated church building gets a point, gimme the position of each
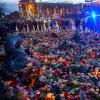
(32, 8)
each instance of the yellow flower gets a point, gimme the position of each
(74, 82)
(50, 96)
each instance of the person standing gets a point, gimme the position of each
(30, 26)
(44, 24)
(35, 25)
(60, 24)
(83, 24)
(77, 24)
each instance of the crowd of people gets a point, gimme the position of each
(27, 26)
(52, 65)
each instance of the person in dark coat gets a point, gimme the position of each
(83, 25)
(16, 57)
(77, 23)
(35, 24)
(3, 31)
(11, 43)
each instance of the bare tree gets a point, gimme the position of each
(2, 9)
